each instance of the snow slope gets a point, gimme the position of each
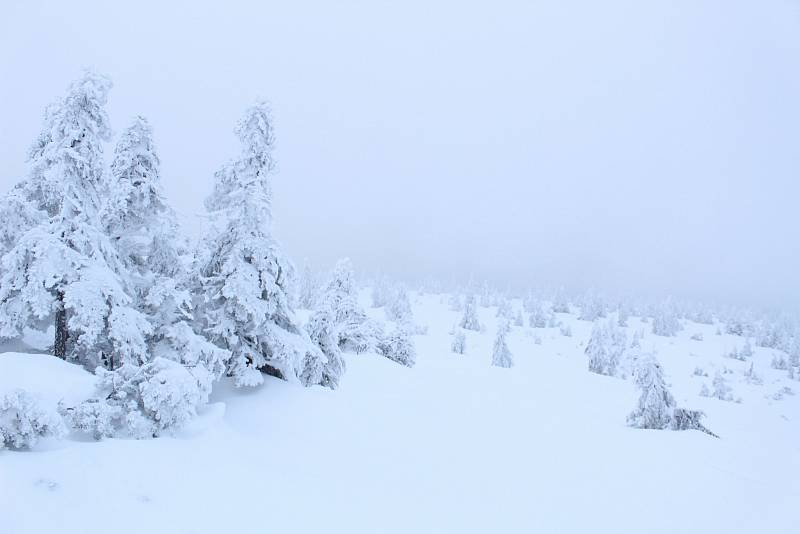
(451, 445)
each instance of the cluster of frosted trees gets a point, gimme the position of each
(96, 253)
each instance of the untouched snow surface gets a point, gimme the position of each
(451, 445)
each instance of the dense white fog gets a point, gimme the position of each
(628, 146)
(409, 267)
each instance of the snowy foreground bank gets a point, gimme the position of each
(450, 445)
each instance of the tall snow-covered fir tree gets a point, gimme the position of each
(243, 274)
(144, 229)
(65, 269)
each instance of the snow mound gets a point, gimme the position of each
(46, 377)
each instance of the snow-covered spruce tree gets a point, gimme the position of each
(469, 321)
(399, 347)
(538, 317)
(459, 342)
(309, 289)
(242, 273)
(353, 330)
(605, 348)
(722, 390)
(399, 307)
(23, 421)
(665, 320)
(454, 302)
(381, 292)
(338, 319)
(144, 229)
(794, 351)
(592, 307)
(622, 315)
(656, 403)
(501, 355)
(321, 328)
(504, 309)
(65, 269)
(560, 302)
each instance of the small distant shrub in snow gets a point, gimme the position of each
(566, 330)
(704, 391)
(504, 310)
(518, 320)
(538, 317)
(455, 302)
(736, 355)
(487, 296)
(459, 343)
(636, 342)
(722, 390)
(560, 303)
(380, 293)
(778, 395)
(399, 347)
(399, 309)
(537, 340)
(592, 308)
(469, 321)
(752, 377)
(737, 326)
(420, 329)
(697, 336)
(501, 355)
(605, 348)
(779, 362)
(747, 349)
(622, 316)
(702, 316)
(698, 371)
(23, 421)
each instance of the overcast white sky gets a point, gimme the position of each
(625, 145)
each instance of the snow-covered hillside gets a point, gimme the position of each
(452, 444)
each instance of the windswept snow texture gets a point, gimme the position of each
(450, 445)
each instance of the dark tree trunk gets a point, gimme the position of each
(267, 369)
(62, 334)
